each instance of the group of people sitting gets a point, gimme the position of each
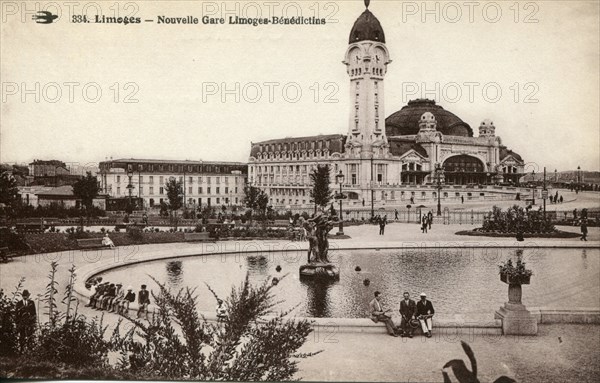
(412, 315)
(114, 298)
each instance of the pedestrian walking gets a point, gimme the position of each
(584, 230)
(382, 223)
(429, 219)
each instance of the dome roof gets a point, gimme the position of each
(366, 27)
(406, 120)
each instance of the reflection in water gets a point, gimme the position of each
(257, 264)
(317, 297)
(584, 258)
(174, 273)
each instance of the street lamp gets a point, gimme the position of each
(533, 183)
(130, 187)
(439, 177)
(340, 179)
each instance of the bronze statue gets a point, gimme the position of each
(317, 230)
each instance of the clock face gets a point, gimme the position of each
(355, 56)
(379, 56)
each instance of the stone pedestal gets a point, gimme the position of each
(319, 271)
(516, 319)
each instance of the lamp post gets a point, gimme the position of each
(533, 188)
(439, 176)
(130, 187)
(544, 193)
(340, 179)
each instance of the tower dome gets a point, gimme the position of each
(366, 27)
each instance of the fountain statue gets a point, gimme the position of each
(318, 265)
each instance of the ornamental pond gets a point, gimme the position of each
(456, 280)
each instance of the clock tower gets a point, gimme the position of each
(366, 63)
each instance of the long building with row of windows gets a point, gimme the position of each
(388, 160)
(204, 183)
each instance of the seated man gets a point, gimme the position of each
(378, 314)
(424, 314)
(123, 308)
(143, 302)
(221, 310)
(109, 302)
(98, 294)
(114, 306)
(111, 292)
(407, 312)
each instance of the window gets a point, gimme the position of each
(118, 179)
(208, 180)
(118, 191)
(191, 180)
(218, 200)
(226, 190)
(151, 190)
(190, 190)
(161, 180)
(180, 179)
(151, 179)
(141, 179)
(200, 190)
(208, 190)
(141, 190)
(236, 190)
(199, 179)
(161, 190)
(218, 190)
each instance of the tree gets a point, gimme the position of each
(86, 189)
(175, 196)
(9, 194)
(257, 200)
(320, 193)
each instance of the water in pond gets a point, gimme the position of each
(455, 280)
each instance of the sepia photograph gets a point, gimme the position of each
(312, 190)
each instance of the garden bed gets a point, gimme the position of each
(481, 233)
(36, 243)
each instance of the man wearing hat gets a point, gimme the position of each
(424, 314)
(407, 312)
(143, 302)
(123, 308)
(378, 314)
(26, 317)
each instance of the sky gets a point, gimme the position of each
(206, 91)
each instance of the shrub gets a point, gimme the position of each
(135, 233)
(245, 347)
(13, 240)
